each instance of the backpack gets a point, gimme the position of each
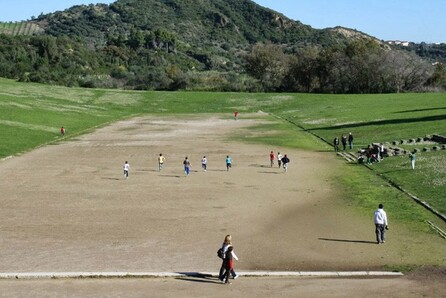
(220, 253)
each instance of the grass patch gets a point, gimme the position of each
(427, 181)
(281, 134)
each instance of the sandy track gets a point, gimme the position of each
(67, 207)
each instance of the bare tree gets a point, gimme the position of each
(405, 71)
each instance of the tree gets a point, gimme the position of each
(405, 71)
(303, 70)
(269, 64)
(438, 78)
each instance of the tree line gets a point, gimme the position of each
(361, 66)
(150, 61)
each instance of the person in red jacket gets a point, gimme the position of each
(272, 157)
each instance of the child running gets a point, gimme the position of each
(161, 160)
(187, 165)
(271, 158)
(228, 162)
(285, 161)
(126, 168)
(279, 159)
(204, 162)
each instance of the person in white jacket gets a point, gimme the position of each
(381, 224)
(227, 243)
(126, 168)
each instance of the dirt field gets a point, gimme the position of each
(67, 207)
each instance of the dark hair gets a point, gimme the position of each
(380, 206)
(230, 248)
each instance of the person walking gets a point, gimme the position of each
(204, 162)
(187, 166)
(228, 264)
(350, 140)
(228, 162)
(413, 158)
(279, 159)
(285, 161)
(381, 224)
(126, 168)
(62, 131)
(336, 144)
(224, 272)
(271, 158)
(161, 161)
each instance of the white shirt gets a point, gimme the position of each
(204, 161)
(225, 249)
(126, 167)
(381, 217)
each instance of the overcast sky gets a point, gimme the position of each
(408, 20)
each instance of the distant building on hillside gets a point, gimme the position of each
(399, 43)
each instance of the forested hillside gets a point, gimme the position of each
(226, 45)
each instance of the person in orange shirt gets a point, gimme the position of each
(272, 157)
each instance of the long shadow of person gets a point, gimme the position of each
(349, 241)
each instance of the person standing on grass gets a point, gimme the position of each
(204, 162)
(279, 159)
(271, 158)
(228, 162)
(161, 161)
(62, 131)
(187, 165)
(412, 158)
(350, 140)
(285, 161)
(381, 224)
(126, 168)
(344, 142)
(336, 144)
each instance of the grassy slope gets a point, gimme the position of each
(32, 115)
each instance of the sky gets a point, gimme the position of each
(405, 20)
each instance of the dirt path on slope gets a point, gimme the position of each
(67, 207)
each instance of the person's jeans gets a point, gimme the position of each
(380, 233)
(222, 273)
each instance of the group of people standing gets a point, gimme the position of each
(344, 140)
(281, 160)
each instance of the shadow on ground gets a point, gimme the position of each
(348, 240)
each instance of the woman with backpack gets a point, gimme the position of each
(222, 254)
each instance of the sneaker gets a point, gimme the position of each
(236, 276)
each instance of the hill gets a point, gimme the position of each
(178, 44)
